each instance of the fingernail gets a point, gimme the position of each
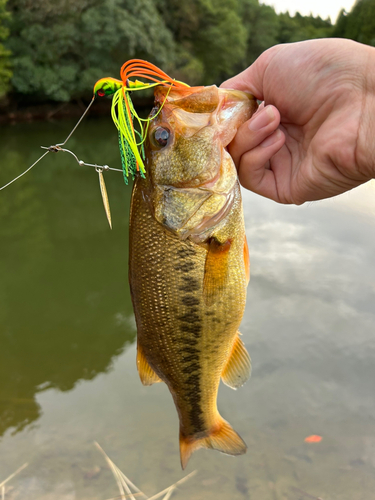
(262, 119)
(271, 139)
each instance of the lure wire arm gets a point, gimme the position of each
(124, 117)
(79, 121)
(56, 148)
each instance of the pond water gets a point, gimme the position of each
(67, 354)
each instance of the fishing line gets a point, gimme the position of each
(25, 172)
(123, 114)
(57, 148)
(132, 152)
(99, 168)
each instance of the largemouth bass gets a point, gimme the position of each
(189, 263)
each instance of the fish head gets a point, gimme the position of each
(191, 174)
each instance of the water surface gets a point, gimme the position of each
(67, 353)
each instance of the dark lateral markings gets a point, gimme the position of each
(193, 393)
(190, 341)
(189, 284)
(193, 367)
(190, 350)
(190, 329)
(190, 300)
(190, 317)
(185, 267)
(186, 252)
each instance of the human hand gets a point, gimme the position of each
(315, 136)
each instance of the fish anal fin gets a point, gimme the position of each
(222, 438)
(215, 270)
(246, 260)
(146, 373)
(238, 368)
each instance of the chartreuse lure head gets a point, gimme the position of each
(132, 138)
(107, 86)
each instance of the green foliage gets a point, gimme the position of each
(210, 36)
(262, 24)
(61, 47)
(5, 71)
(265, 28)
(359, 24)
(297, 28)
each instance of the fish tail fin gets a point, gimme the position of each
(222, 437)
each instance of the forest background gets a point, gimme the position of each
(53, 51)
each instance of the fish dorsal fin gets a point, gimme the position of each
(215, 270)
(146, 373)
(238, 368)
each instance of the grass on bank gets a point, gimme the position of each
(127, 489)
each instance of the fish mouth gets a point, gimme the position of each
(195, 195)
(239, 94)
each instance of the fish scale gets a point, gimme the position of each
(166, 276)
(189, 296)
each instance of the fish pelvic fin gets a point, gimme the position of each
(222, 438)
(146, 373)
(238, 368)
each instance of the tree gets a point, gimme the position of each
(297, 28)
(210, 38)
(62, 47)
(5, 71)
(265, 28)
(262, 26)
(359, 23)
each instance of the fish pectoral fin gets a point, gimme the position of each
(238, 368)
(221, 438)
(216, 270)
(146, 373)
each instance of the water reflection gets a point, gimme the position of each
(65, 306)
(65, 317)
(311, 303)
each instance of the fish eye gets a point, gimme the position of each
(161, 136)
(101, 92)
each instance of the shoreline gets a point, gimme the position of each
(16, 113)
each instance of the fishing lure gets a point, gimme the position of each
(132, 129)
(124, 115)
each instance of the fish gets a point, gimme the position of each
(189, 259)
